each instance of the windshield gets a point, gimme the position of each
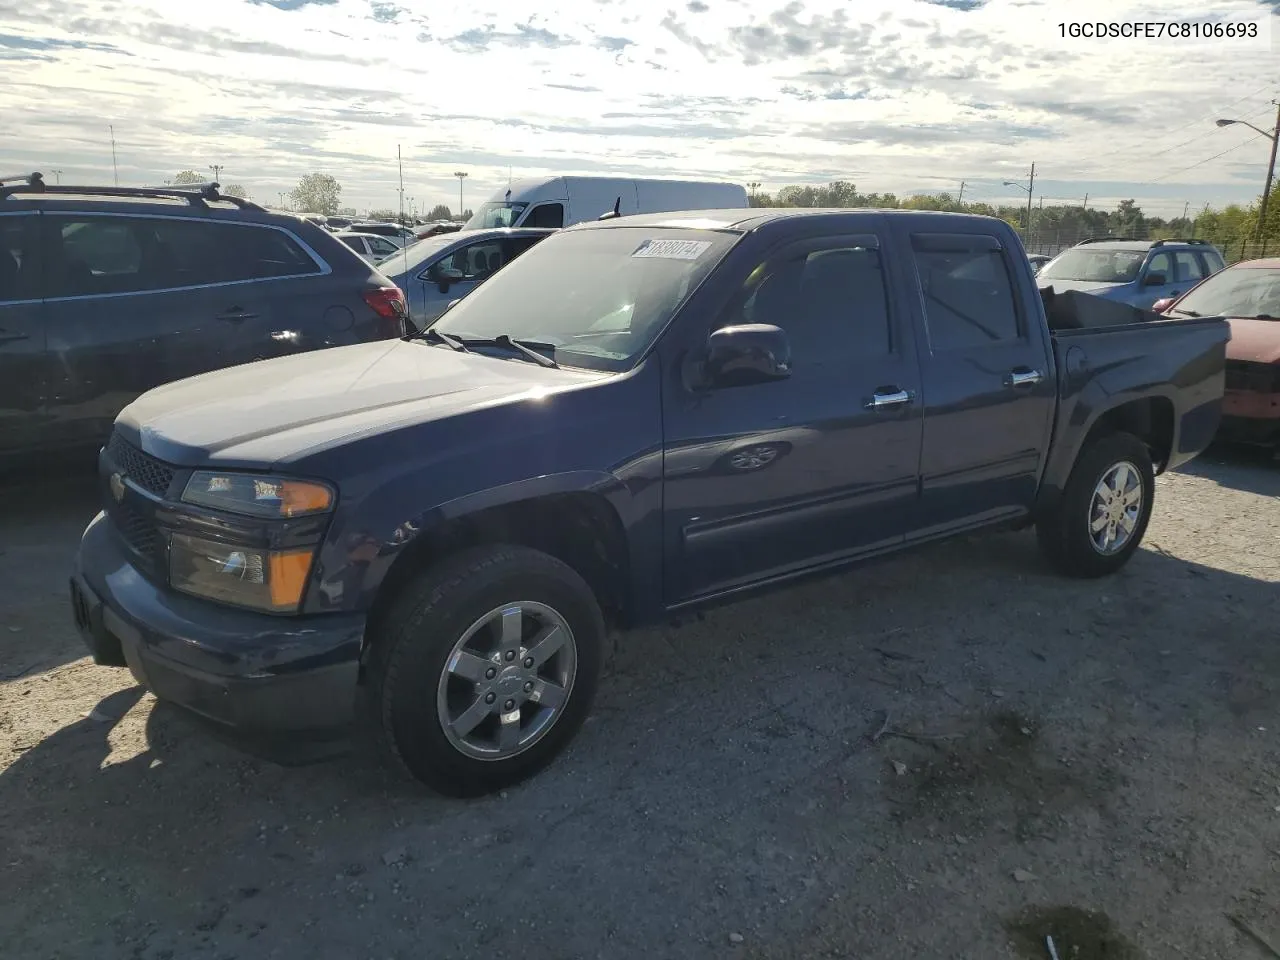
(415, 255)
(1095, 266)
(495, 215)
(599, 297)
(1237, 292)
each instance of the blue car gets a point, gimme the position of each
(1136, 272)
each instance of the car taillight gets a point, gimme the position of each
(389, 304)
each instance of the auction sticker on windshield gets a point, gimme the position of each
(672, 249)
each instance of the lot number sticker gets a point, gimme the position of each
(672, 249)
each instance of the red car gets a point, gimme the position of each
(1248, 295)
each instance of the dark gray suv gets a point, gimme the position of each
(106, 292)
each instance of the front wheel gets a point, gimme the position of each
(485, 668)
(1100, 520)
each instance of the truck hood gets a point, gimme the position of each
(1257, 341)
(275, 411)
(1084, 286)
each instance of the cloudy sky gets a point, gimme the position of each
(895, 95)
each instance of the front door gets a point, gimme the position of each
(127, 308)
(23, 366)
(765, 480)
(455, 275)
(990, 394)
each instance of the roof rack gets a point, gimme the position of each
(1109, 240)
(196, 194)
(1163, 240)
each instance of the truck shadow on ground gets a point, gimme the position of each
(1247, 469)
(766, 747)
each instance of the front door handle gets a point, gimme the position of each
(236, 314)
(889, 398)
(1023, 378)
(11, 337)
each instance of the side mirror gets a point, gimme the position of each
(747, 354)
(1154, 280)
(1160, 306)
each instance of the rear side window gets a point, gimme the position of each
(1188, 264)
(109, 255)
(262, 253)
(1212, 260)
(355, 243)
(967, 291)
(546, 215)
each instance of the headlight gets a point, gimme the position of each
(270, 580)
(256, 496)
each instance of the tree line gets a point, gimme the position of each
(1050, 222)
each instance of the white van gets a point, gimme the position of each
(564, 201)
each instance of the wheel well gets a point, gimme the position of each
(581, 530)
(1150, 420)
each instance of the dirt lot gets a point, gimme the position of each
(1094, 761)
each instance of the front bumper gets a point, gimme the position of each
(260, 676)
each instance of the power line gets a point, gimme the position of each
(1204, 119)
(1201, 163)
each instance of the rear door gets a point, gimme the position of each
(275, 294)
(988, 385)
(23, 358)
(127, 308)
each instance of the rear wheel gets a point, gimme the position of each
(1102, 516)
(485, 668)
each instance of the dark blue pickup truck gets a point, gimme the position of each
(638, 416)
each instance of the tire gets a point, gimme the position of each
(414, 696)
(1064, 532)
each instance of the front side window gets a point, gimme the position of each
(379, 247)
(19, 271)
(1091, 265)
(832, 302)
(597, 297)
(495, 215)
(474, 262)
(1161, 265)
(108, 255)
(968, 295)
(546, 215)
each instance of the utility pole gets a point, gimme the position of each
(960, 199)
(461, 175)
(1086, 202)
(400, 162)
(1185, 207)
(1030, 191)
(217, 169)
(1271, 172)
(115, 170)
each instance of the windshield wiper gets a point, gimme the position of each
(431, 333)
(1187, 313)
(527, 348)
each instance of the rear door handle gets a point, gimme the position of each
(1023, 378)
(888, 398)
(236, 314)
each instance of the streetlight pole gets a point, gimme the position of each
(1029, 190)
(115, 170)
(461, 175)
(217, 169)
(1274, 137)
(57, 174)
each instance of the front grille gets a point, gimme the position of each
(1255, 377)
(146, 471)
(138, 530)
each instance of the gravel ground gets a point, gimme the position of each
(951, 754)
